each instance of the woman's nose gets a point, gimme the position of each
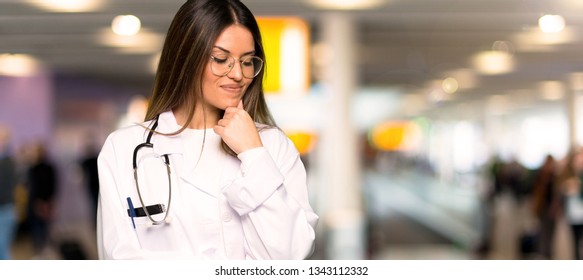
(236, 72)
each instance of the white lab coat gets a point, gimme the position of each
(259, 210)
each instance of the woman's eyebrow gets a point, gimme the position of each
(227, 51)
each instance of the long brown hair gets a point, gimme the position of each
(186, 52)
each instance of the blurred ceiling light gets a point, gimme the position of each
(493, 62)
(552, 90)
(18, 65)
(126, 25)
(346, 4)
(449, 85)
(70, 6)
(551, 23)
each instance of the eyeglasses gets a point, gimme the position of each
(222, 64)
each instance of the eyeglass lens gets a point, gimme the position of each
(221, 65)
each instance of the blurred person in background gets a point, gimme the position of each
(42, 188)
(88, 164)
(546, 205)
(8, 182)
(514, 180)
(571, 178)
(208, 175)
(488, 194)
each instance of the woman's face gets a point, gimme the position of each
(226, 91)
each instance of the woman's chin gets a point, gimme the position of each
(233, 103)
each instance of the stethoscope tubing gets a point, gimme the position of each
(148, 144)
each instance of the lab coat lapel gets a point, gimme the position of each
(205, 183)
(198, 182)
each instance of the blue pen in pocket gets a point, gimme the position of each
(132, 211)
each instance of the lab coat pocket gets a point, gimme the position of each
(163, 237)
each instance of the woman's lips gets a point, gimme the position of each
(232, 88)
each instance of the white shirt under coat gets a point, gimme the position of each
(253, 206)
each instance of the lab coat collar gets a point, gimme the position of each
(167, 145)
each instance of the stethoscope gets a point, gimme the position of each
(148, 144)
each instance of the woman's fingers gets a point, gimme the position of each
(238, 130)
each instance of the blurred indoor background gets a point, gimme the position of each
(422, 123)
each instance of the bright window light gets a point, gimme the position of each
(465, 138)
(293, 76)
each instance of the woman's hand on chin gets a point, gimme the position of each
(238, 130)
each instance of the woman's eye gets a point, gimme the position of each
(220, 60)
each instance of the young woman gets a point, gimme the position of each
(208, 175)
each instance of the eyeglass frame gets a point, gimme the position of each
(213, 58)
